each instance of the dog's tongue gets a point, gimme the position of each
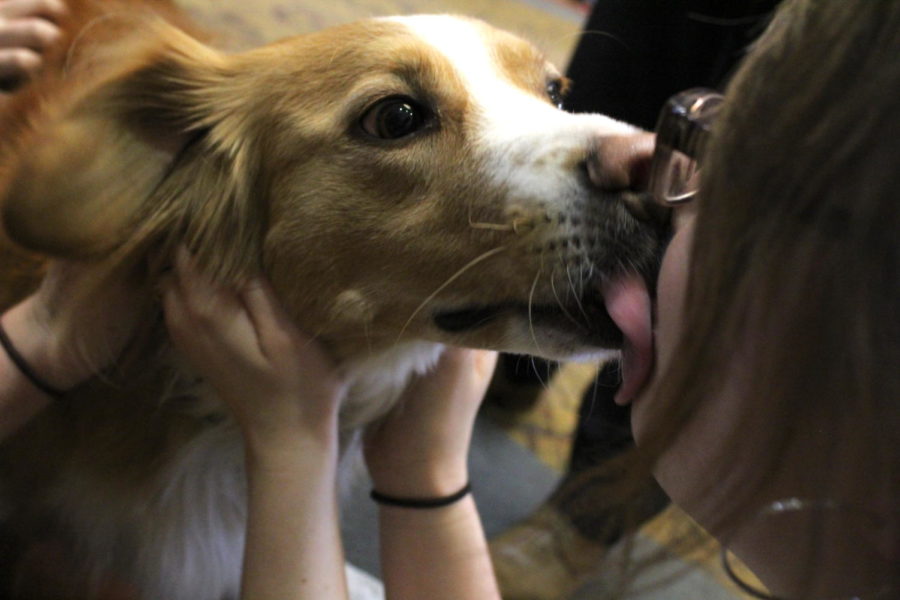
(628, 304)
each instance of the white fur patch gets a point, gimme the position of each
(188, 525)
(529, 144)
(376, 381)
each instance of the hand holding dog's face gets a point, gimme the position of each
(277, 382)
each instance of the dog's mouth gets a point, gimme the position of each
(616, 315)
(586, 319)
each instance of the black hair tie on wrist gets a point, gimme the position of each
(25, 368)
(420, 502)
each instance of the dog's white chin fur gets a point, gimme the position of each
(376, 380)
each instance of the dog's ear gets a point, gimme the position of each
(139, 151)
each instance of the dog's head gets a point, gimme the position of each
(404, 178)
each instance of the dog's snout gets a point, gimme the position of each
(621, 164)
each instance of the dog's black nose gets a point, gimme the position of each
(621, 165)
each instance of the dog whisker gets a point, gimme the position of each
(492, 226)
(530, 360)
(577, 294)
(591, 400)
(560, 302)
(545, 384)
(516, 226)
(444, 285)
(583, 279)
(537, 277)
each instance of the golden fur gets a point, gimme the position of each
(385, 249)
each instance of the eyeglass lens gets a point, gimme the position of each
(681, 132)
(675, 176)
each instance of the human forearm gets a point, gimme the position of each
(293, 547)
(438, 553)
(285, 394)
(65, 332)
(20, 398)
(417, 452)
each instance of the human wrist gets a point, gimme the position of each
(420, 481)
(32, 334)
(420, 502)
(288, 458)
(275, 440)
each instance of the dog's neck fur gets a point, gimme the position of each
(376, 380)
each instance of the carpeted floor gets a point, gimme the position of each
(553, 25)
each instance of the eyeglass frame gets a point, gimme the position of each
(682, 132)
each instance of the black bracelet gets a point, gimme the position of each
(420, 502)
(25, 368)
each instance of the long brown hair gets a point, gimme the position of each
(795, 272)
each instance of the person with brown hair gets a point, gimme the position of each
(774, 415)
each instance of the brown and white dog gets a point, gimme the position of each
(404, 182)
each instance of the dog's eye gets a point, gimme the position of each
(556, 90)
(393, 118)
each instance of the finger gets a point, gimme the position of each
(195, 339)
(174, 312)
(14, 9)
(265, 310)
(175, 308)
(484, 362)
(269, 317)
(474, 368)
(33, 33)
(216, 311)
(460, 373)
(18, 63)
(279, 337)
(184, 268)
(202, 296)
(455, 362)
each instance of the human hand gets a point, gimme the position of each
(273, 378)
(420, 448)
(75, 324)
(27, 29)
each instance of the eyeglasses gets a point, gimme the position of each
(681, 135)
